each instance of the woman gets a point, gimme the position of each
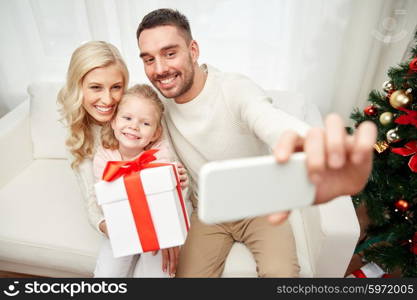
(96, 79)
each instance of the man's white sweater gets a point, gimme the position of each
(232, 117)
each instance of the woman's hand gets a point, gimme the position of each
(183, 175)
(103, 227)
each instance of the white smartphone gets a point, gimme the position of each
(235, 189)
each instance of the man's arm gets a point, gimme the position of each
(267, 122)
(337, 164)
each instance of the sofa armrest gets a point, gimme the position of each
(332, 232)
(15, 142)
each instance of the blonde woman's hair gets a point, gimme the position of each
(144, 91)
(89, 56)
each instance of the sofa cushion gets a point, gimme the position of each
(240, 261)
(46, 224)
(48, 134)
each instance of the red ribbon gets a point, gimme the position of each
(136, 195)
(359, 274)
(409, 118)
(409, 149)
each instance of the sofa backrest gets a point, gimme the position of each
(288, 101)
(48, 133)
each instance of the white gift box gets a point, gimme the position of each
(370, 270)
(168, 214)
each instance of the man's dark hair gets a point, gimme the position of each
(166, 16)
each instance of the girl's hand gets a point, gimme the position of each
(183, 175)
(169, 260)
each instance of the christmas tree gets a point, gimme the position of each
(390, 195)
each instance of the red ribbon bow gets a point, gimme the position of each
(116, 169)
(136, 195)
(409, 149)
(409, 118)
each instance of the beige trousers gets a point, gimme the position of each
(207, 246)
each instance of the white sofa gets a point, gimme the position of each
(43, 223)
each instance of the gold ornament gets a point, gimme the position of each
(387, 86)
(393, 136)
(386, 118)
(401, 98)
(381, 146)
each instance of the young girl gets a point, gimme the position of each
(135, 128)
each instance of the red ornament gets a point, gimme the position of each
(370, 110)
(414, 244)
(402, 205)
(413, 65)
(409, 149)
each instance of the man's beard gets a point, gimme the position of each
(188, 82)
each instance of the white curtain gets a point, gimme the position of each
(333, 51)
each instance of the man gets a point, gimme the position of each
(216, 116)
